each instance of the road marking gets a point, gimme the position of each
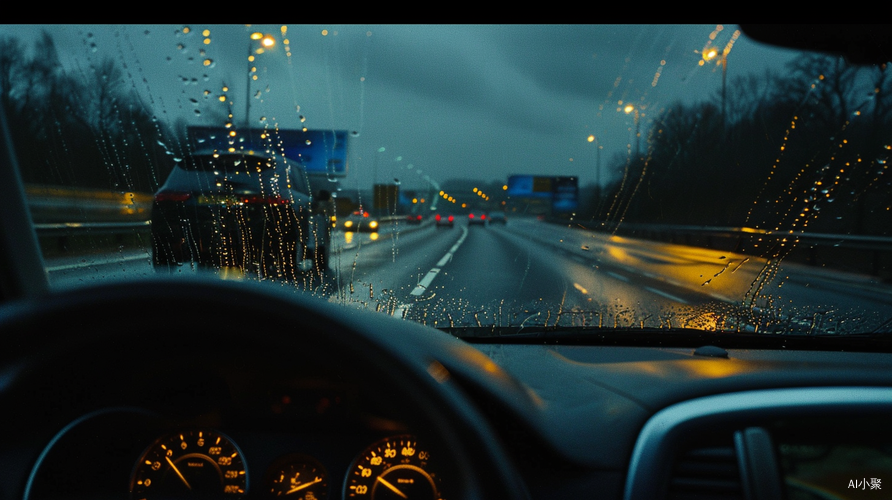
(401, 311)
(664, 294)
(426, 281)
(618, 276)
(429, 277)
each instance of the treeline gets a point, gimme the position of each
(80, 127)
(805, 150)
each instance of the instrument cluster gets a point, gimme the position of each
(142, 455)
(208, 464)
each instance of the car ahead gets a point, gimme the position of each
(360, 222)
(248, 211)
(413, 219)
(445, 220)
(478, 219)
(498, 217)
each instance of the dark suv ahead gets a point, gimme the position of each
(250, 211)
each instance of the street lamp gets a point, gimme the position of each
(592, 138)
(629, 109)
(711, 53)
(266, 42)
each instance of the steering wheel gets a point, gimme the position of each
(102, 333)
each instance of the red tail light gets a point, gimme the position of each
(267, 200)
(172, 196)
(470, 216)
(483, 217)
(450, 218)
(438, 217)
(417, 217)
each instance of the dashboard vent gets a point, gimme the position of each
(707, 473)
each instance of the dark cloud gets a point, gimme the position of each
(476, 101)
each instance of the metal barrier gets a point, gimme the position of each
(62, 205)
(80, 219)
(863, 254)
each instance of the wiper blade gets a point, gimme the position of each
(670, 338)
(883, 329)
(559, 332)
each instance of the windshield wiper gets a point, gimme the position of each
(671, 338)
(883, 329)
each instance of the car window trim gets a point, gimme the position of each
(23, 272)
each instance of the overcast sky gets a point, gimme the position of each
(453, 101)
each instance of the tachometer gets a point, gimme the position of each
(393, 468)
(194, 463)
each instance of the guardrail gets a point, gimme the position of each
(70, 220)
(82, 219)
(865, 254)
(55, 205)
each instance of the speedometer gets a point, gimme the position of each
(189, 464)
(393, 468)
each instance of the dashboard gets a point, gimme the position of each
(235, 410)
(304, 438)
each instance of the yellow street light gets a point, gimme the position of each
(629, 109)
(266, 41)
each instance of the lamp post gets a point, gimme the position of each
(266, 41)
(713, 53)
(629, 109)
(592, 138)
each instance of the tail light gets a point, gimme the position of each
(438, 217)
(483, 217)
(450, 218)
(172, 196)
(266, 200)
(470, 216)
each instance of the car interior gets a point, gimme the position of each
(249, 391)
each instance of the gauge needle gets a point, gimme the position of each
(174, 467)
(391, 487)
(305, 485)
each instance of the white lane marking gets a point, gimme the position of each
(618, 276)
(426, 281)
(429, 277)
(401, 311)
(664, 294)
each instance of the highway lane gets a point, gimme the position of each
(499, 277)
(779, 293)
(533, 273)
(493, 275)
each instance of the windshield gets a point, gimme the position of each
(520, 177)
